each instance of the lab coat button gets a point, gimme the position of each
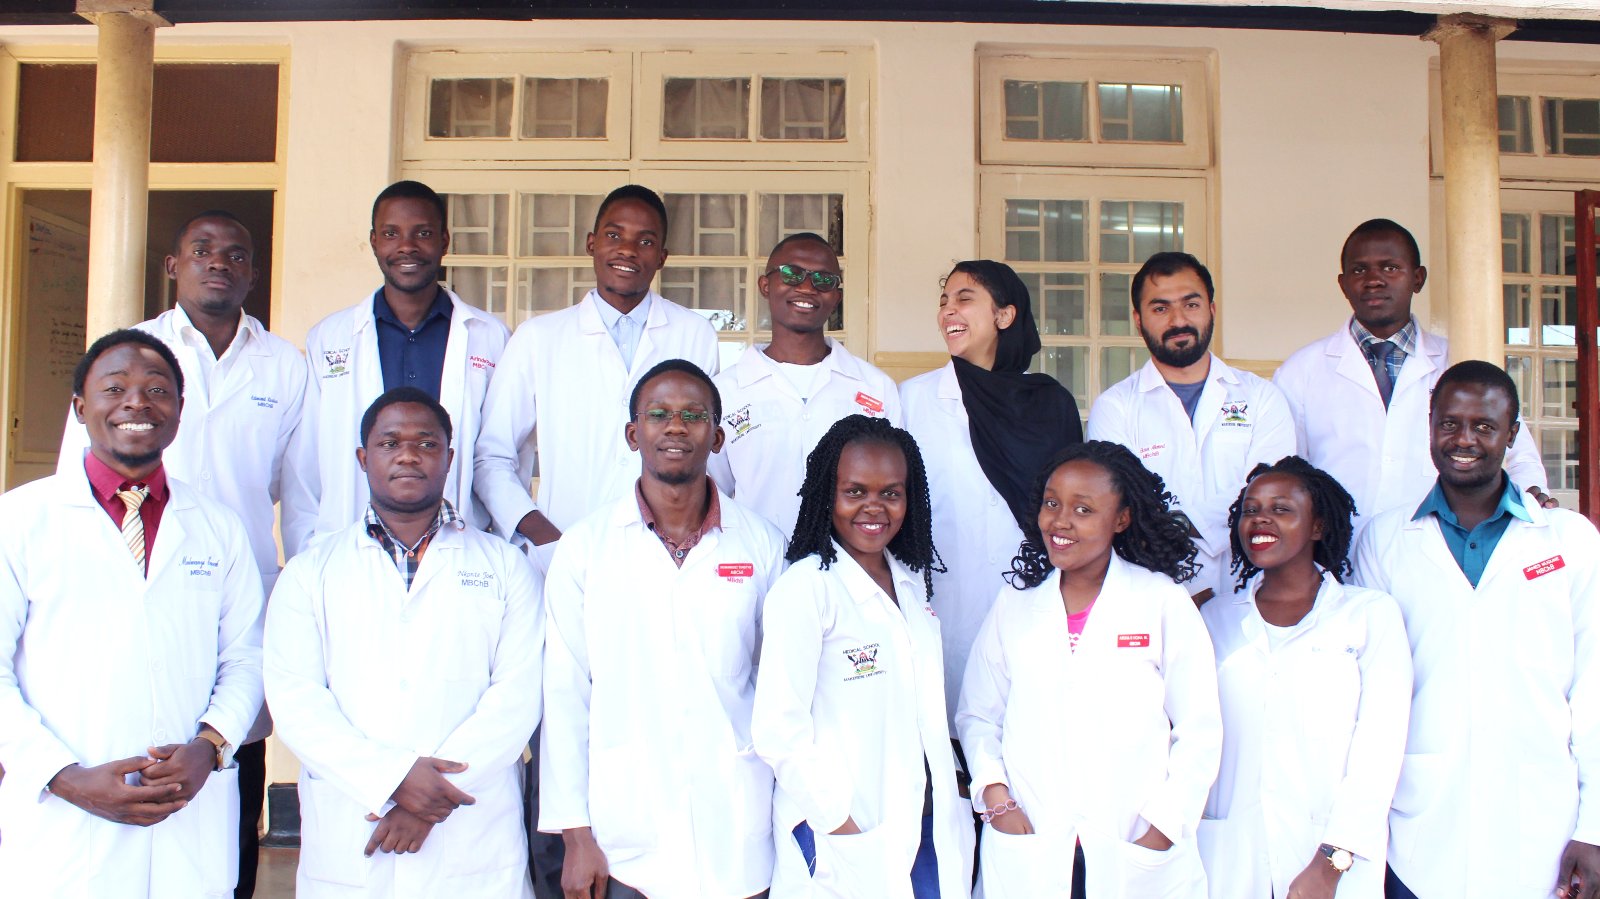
(160, 735)
(405, 684)
(205, 475)
(158, 666)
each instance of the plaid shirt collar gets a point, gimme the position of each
(1404, 340)
(406, 558)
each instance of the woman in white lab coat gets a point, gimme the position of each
(1315, 680)
(849, 707)
(1089, 708)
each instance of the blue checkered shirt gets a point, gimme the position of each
(1403, 343)
(407, 558)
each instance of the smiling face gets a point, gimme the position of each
(1081, 513)
(869, 499)
(130, 407)
(213, 267)
(672, 451)
(801, 308)
(408, 239)
(406, 458)
(629, 245)
(970, 320)
(1277, 522)
(1470, 428)
(1379, 277)
(1176, 318)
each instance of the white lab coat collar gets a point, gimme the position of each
(861, 586)
(590, 322)
(249, 328)
(1353, 363)
(1330, 595)
(627, 514)
(1150, 377)
(949, 387)
(754, 364)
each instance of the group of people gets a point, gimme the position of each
(789, 629)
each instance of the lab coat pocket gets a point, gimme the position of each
(1171, 874)
(854, 866)
(333, 834)
(1417, 790)
(1547, 800)
(196, 851)
(1021, 866)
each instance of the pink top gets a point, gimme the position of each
(1075, 627)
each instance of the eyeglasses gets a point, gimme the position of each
(664, 416)
(792, 275)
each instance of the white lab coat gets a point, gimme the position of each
(1241, 421)
(366, 677)
(1502, 763)
(98, 663)
(1312, 736)
(649, 682)
(973, 528)
(1380, 456)
(850, 702)
(234, 433)
(1097, 744)
(768, 430)
(561, 398)
(324, 489)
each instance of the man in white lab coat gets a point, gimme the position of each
(411, 332)
(1360, 396)
(1196, 421)
(244, 388)
(647, 767)
(130, 655)
(782, 397)
(404, 667)
(1499, 793)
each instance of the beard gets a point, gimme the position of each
(400, 507)
(677, 478)
(136, 460)
(1179, 358)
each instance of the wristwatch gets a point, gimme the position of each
(1340, 859)
(224, 753)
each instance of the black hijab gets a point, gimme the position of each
(1018, 419)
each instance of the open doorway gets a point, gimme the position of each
(49, 297)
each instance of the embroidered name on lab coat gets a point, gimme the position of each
(481, 363)
(338, 362)
(1540, 569)
(736, 572)
(864, 661)
(1132, 641)
(1151, 451)
(739, 422)
(475, 578)
(206, 567)
(265, 402)
(1235, 414)
(871, 404)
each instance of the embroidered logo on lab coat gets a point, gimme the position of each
(864, 660)
(338, 362)
(1540, 569)
(869, 404)
(739, 422)
(1235, 414)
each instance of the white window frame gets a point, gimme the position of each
(1092, 67)
(1537, 85)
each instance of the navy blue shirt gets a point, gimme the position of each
(413, 358)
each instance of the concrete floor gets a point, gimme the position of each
(275, 876)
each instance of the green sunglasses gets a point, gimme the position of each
(793, 275)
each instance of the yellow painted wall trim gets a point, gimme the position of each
(1263, 367)
(901, 366)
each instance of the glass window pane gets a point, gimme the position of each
(1520, 368)
(786, 214)
(1116, 306)
(541, 290)
(716, 293)
(556, 108)
(480, 286)
(1517, 300)
(1046, 231)
(706, 109)
(1118, 362)
(1141, 112)
(706, 224)
(1516, 242)
(1572, 127)
(1516, 125)
(1558, 315)
(1046, 110)
(470, 107)
(1134, 230)
(1559, 395)
(1061, 301)
(1070, 366)
(556, 224)
(1558, 244)
(477, 223)
(1559, 447)
(803, 109)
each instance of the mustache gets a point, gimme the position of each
(1179, 332)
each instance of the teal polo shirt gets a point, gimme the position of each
(1473, 548)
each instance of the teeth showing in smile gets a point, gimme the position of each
(955, 329)
(1061, 542)
(1262, 539)
(627, 269)
(802, 304)
(1463, 460)
(872, 528)
(135, 426)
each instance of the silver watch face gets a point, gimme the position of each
(1341, 859)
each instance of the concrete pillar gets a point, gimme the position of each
(119, 203)
(1472, 183)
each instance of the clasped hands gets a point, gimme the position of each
(424, 798)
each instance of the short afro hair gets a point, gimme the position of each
(412, 190)
(634, 192)
(677, 365)
(398, 395)
(117, 338)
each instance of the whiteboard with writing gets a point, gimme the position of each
(55, 299)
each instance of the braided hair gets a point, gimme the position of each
(1331, 505)
(1156, 537)
(813, 529)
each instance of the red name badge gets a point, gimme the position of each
(1539, 569)
(1132, 641)
(736, 569)
(872, 404)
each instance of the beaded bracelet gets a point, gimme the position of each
(993, 813)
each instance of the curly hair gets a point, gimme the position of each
(1156, 537)
(1331, 505)
(813, 529)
